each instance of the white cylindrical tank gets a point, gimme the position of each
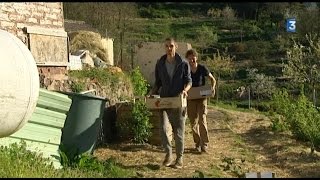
(19, 84)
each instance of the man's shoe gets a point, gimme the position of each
(178, 164)
(198, 149)
(167, 161)
(204, 149)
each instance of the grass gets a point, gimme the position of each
(105, 77)
(17, 161)
(214, 172)
(229, 106)
(102, 75)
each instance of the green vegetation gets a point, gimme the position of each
(299, 116)
(140, 123)
(18, 162)
(106, 77)
(140, 84)
(233, 165)
(303, 63)
(77, 86)
(139, 126)
(243, 45)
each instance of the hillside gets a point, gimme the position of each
(252, 35)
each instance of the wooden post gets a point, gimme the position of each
(217, 85)
(132, 65)
(249, 97)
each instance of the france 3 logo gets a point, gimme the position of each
(291, 25)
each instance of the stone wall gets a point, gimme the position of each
(14, 16)
(122, 90)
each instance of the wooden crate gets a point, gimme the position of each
(166, 102)
(199, 92)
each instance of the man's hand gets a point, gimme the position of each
(184, 93)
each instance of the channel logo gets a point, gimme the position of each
(291, 25)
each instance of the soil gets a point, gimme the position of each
(240, 142)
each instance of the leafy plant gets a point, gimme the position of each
(278, 123)
(135, 126)
(234, 166)
(141, 126)
(140, 84)
(281, 102)
(198, 174)
(215, 171)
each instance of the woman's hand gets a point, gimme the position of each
(213, 91)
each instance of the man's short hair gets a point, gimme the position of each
(191, 52)
(170, 39)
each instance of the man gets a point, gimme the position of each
(173, 78)
(197, 108)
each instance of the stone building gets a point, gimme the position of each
(40, 25)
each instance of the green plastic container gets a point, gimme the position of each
(82, 125)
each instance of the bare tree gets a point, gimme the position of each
(303, 62)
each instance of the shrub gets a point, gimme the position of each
(136, 125)
(278, 123)
(238, 47)
(228, 91)
(281, 102)
(302, 118)
(140, 84)
(258, 49)
(214, 12)
(140, 126)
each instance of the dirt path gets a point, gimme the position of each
(239, 142)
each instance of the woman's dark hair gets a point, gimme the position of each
(191, 52)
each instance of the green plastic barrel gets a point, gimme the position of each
(82, 125)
